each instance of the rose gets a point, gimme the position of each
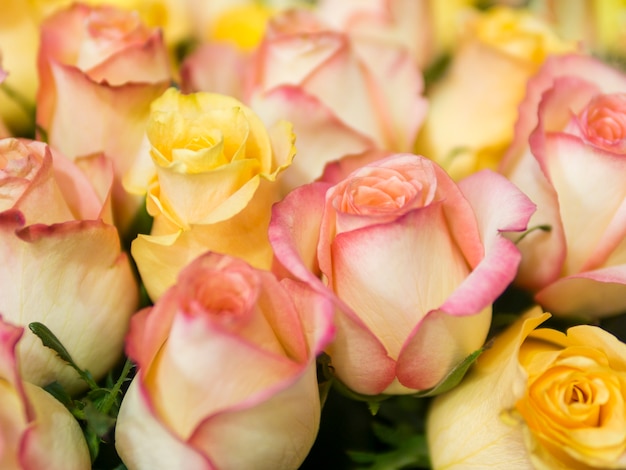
(30, 419)
(536, 399)
(226, 362)
(99, 70)
(412, 261)
(403, 23)
(211, 184)
(568, 157)
(343, 97)
(499, 51)
(60, 261)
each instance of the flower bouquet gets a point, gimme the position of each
(376, 234)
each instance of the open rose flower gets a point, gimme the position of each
(99, 70)
(61, 262)
(342, 96)
(227, 375)
(536, 399)
(211, 181)
(37, 431)
(474, 107)
(412, 261)
(569, 158)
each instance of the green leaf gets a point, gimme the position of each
(454, 377)
(411, 452)
(51, 341)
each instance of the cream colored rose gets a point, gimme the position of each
(61, 262)
(210, 183)
(537, 399)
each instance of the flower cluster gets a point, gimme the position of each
(219, 220)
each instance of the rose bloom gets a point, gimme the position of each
(474, 106)
(536, 399)
(404, 23)
(412, 261)
(210, 180)
(342, 96)
(37, 430)
(60, 261)
(99, 70)
(227, 374)
(568, 156)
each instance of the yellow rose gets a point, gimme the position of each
(474, 107)
(210, 184)
(537, 399)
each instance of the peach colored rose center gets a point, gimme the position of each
(109, 31)
(382, 191)
(228, 297)
(17, 161)
(603, 122)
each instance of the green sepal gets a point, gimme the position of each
(454, 377)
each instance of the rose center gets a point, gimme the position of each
(603, 122)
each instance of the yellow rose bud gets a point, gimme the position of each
(210, 184)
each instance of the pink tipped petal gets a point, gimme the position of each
(227, 79)
(142, 441)
(499, 206)
(586, 178)
(359, 356)
(195, 344)
(294, 231)
(100, 172)
(394, 274)
(606, 78)
(262, 427)
(104, 111)
(54, 440)
(147, 62)
(321, 136)
(76, 282)
(349, 97)
(598, 293)
(396, 85)
(439, 343)
(316, 314)
(10, 335)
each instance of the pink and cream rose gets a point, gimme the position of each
(227, 373)
(31, 419)
(412, 261)
(538, 398)
(569, 157)
(99, 70)
(60, 261)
